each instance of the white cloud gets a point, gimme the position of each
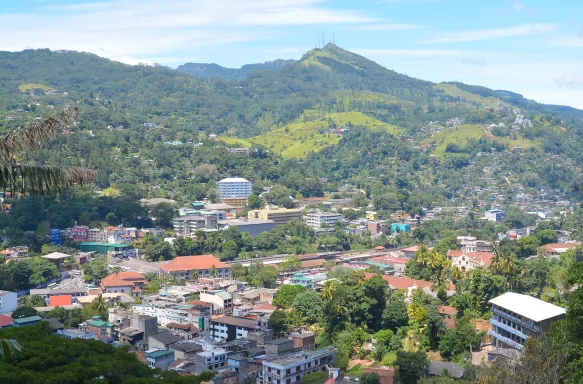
(518, 6)
(391, 27)
(489, 34)
(568, 42)
(408, 53)
(139, 30)
(572, 81)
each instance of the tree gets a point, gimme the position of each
(238, 271)
(435, 327)
(111, 218)
(253, 201)
(163, 214)
(285, 295)
(22, 312)
(309, 305)
(395, 314)
(546, 236)
(411, 367)
(194, 275)
(159, 252)
(58, 313)
(35, 301)
(42, 270)
(8, 348)
(39, 179)
(370, 378)
(459, 340)
(328, 289)
(383, 337)
(279, 322)
(266, 277)
(290, 264)
(96, 269)
(314, 378)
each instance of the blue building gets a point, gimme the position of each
(74, 333)
(400, 227)
(303, 280)
(159, 358)
(56, 236)
(495, 215)
(234, 188)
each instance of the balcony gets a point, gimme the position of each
(506, 340)
(517, 320)
(508, 328)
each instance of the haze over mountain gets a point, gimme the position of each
(206, 70)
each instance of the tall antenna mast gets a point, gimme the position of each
(323, 41)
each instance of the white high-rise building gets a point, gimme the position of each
(234, 188)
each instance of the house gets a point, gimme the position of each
(290, 368)
(410, 251)
(495, 215)
(8, 301)
(159, 358)
(467, 261)
(305, 341)
(113, 284)
(58, 259)
(322, 221)
(232, 328)
(554, 250)
(186, 331)
(279, 346)
(205, 266)
(251, 226)
(185, 349)
(5, 321)
(79, 233)
(222, 301)
(516, 317)
(398, 263)
(279, 216)
(303, 280)
(371, 215)
(99, 327)
(26, 321)
(162, 340)
(55, 324)
(407, 284)
(386, 374)
(47, 293)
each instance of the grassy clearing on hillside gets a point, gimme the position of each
(464, 133)
(454, 91)
(27, 87)
(235, 141)
(302, 137)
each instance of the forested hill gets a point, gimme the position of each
(204, 70)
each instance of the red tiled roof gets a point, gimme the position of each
(114, 281)
(265, 305)
(550, 247)
(391, 259)
(454, 253)
(131, 276)
(188, 263)
(60, 300)
(379, 248)
(312, 263)
(483, 258)
(482, 325)
(447, 310)
(199, 302)
(5, 321)
(449, 323)
(405, 283)
(136, 289)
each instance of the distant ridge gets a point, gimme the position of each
(204, 70)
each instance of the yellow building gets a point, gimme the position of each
(279, 215)
(372, 215)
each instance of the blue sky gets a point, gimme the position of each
(533, 47)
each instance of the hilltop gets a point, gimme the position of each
(205, 70)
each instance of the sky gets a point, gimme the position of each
(532, 47)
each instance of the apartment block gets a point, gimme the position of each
(289, 369)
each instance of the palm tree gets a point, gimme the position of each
(195, 275)
(328, 290)
(100, 304)
(38, 179)
(214, 272)
(8, 348)
(505, 263)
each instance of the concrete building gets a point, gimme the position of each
(289, 369)
(47, 293)
(58, 259)
(305, 341)
(211, 360)
(279, 216)
(322, 220)
(232, 328)
(517, 317)
(234, 191)
(159, 358)
(162, 340)
(252, 226)
(495, 215)
(303, 280)
(206, 266)
(222, 301)
(279, 346)
(188, 225)
(8, 301)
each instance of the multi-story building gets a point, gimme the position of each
(303, 280)
(222, 301)
(188, 225)
(517, 317)
(495, 215)
(234, 191)
(322, 220)
(279, 216)
(230, 328)
(251, 226)
(56, 236)
(289, 369)
(159, 358)
(169, 313)
(471, 244)
(8, 301)
(96, 234)
(211, 360)
(130, 327)
(206, 266)
(79, 233)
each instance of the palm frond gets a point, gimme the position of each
(40, 180)
(36, 133)
(9, 348)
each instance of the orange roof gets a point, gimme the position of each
(131, 276)
(414, 248)
(265, 305)
(482, 325)
(6, 252)
(136, 289)
(447, 310)
(60, 300)
(454, 253)
(188, 263)
(449, 323)
(312, 263)
(405, 283)
(114, 281)
(551, 247)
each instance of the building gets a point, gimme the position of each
(56, 236)
(289, 369)
(222, 301)
(371, 215)
(46, 293)
(185, 349)
(251, 226)
(495, 215)
(240, 150)
(517, 317)
(230, 328)
(5, 321)
(234, 191)
(467, 261)
(386, 374)
(410, 251)
(8, 301)
(79, 233)
(305, 341)
(132, 327)
(58, 259)
(303, 280)
(159, 358)
(211, 360)
(471, 244)
(206, 266)
(186, 331)
(188, 225)
(74, 333)
(162, 340)
(96, 234)
(322, 220)
(400, 227)
(554, 250)
(279, 216)
(26, 321)
(113, 250)
(279, 346)
(130, 283)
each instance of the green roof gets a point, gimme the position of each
(98, 323)
(156, 354)
(380, 265)
(224, 295)
(28, 319)
(300, 276)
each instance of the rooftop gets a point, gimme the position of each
(219, 207)
(281, 340)
(528, 306)
(63, 291)
(236, 321)
(114, 281)
(56, 256)
(186, 346)
(30, 319)
(239, 222)
(234, 180)
(5, 321)
(158, 353)
(188, 263)
(2, 293)
(436, 368)
(60, 300)
(189, 218)
(166, 338)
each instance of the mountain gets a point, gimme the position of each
(204, 70)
